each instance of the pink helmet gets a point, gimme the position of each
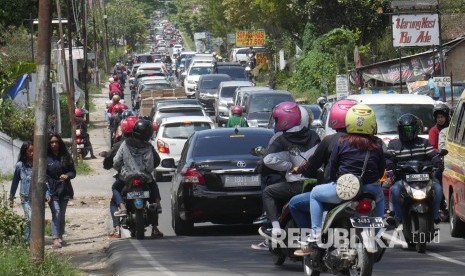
(337, 116)
(286, 115)
(236, 110)
(78, 112)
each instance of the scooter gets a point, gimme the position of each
(81, 148)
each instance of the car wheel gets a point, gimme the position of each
(457, 227)
(180, 226)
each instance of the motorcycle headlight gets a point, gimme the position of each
(247, 68)
(418, 194)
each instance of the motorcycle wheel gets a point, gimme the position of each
(365, 261)
(140, 225)
(308, 270)
(457, 227)
(423, 227)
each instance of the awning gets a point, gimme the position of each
(19, 85)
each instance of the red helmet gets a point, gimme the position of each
(286, 115)
(119, 108)
(115, 77)
(337, 115)
(127, 125)
(78, 112)
(236, 110)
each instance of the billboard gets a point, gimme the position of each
(412, 4)
(250, 38)
(420, 29)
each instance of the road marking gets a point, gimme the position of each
(447, 259)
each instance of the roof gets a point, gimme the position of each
(236, 84)
(219, 64)
(202, 64)
(180, 106)
(150, 65)
(392, 99)
(271, 92)
(215, 76)
(232, 131)
(254, 88)
(180, 119)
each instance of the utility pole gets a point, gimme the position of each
(43, 89)
(62, 44)
(71, 91)
(105, 22)
(96, 47)
(84, 34)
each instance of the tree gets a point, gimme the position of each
(14, 12)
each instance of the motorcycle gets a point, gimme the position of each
(355, 218)
(140, 213)
(249, 66)
(417, 201)
(81, 148)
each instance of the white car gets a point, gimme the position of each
(193, 75)
(171, 137)
(177, 48)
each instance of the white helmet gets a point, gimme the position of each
(111, 79)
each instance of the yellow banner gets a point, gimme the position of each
(250, 38)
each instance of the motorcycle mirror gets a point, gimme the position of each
(443, 152)
(258, 151)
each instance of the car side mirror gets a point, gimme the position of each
(317, 123)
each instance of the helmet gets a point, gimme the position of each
(441, 108)
(321, 101)
(127, 125)
(115, 77)
(286, 115)
(78, 112)
(236, 110)
(127, 113)
(143, 130)
(361, 119)
(337, 115)
(307, 117)
(116, 98)
(409, 126)
(123, 106)
(214, 54)
(111, 79)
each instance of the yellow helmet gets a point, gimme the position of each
(361, 119)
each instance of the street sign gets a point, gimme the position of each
(442, 81)
(342, 86)
(412, 4)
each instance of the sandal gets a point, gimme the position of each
(156, 234)
(115, 235)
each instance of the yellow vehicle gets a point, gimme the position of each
(454, 171)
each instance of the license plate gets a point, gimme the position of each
(242, 181)
(137, 195)
(80, 146)
(417, 177)
(367, 222)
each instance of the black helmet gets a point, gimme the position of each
(143, 130)
(409, 126)
(441, 108)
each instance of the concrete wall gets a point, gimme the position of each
(9, 151)
(455, 63)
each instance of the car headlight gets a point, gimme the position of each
(252, 123)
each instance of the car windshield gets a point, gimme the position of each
(183, 130)
(210, 83)
(237, 145)
(228, 91)
(387, 114)
(235, 72)
(265, 103)
(145, 59)
(167, 113)
(201, 71)
(154, 86)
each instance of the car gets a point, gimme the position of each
(154, 85)
(166, 102)
(176, 110)
(240, 91)
(453, 177)
(240, 55)
(234, 69)
(388, 108)
(258, 105)
(144, 58)
(171, 136)
(224, 101)
(207, 90)
(177, 48)
(193, 75)
(215, 180)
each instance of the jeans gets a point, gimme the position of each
(326, 193)
(267, 180)
(396, 191)
(299, 206)
(113, 208)
(58, 208)
(26, 204)
(278, 194)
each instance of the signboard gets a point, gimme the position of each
(261, 59)
(410, 4)
(415, 30)
(250, 38)
(342, 86)
(231, 38)
(442, 81)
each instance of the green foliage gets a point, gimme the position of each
(17, 44)
(82, 168)
(5, 177)
(10, 73)
(14, 12)
(15, 121)
(11, 225)
(65, 125)
(16, 260)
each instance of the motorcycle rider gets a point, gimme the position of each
(348, 156)
(292, 120)
(407, 147)
(441, 117)
(137, 156)
(236, 119)
(115, 88)
(82, 125)
(299, 204)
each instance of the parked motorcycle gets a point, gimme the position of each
(417, 201)
(81, 141)
(140, 213)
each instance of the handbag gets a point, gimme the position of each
(349, 186)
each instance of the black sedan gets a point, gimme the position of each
(215, 180)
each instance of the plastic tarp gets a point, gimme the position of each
(19, 85)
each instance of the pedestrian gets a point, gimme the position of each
(60, 171)
(434, 89)
(23, 174)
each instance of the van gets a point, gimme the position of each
(239, 93)
(258, 105)
(453, 177)
(224, 101)
(388, 108)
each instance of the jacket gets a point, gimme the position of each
(115, 87)
(235, 120)
(433, 135)
(23, 174)
(136, 158)
(419, 149)
(56, 166)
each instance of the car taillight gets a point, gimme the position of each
(162, 147)
(364, 206)
(136, 182)
(192, 176)
(78, 140)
